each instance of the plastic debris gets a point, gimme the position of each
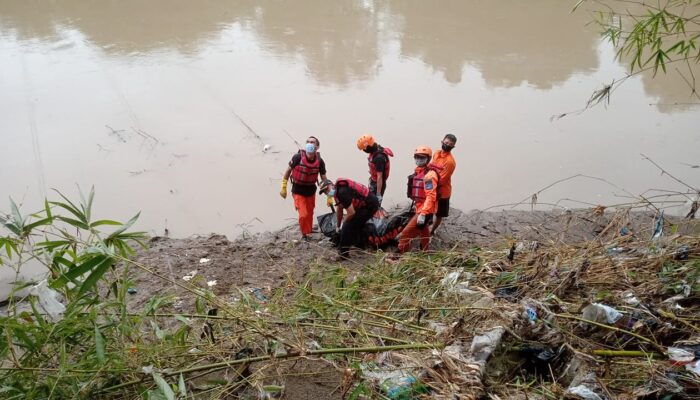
(258, 293)
(266, 148)
(531, 314)
(189, 276)
(681, 253)
(583, 393)
(693, 367)
(211, 283)
(616, 250)
(601, 313)
(131, 290)
(658, 226)
(624, 231)
(402, 387)
(48, 300)
(631, 299)
(204, 260)
(680, 356)
(485, 344)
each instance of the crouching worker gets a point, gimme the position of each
(355, 205)
(422, 189)
(304, 170)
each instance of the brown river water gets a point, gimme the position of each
(166, 106)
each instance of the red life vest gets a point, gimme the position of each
(373, 168)
(360, 189)
(306, 172)
(416, 183)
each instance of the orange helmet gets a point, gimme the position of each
(365, 141)
(423, 150)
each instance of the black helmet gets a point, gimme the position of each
(324, 185)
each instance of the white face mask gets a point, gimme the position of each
(421, 161)
(331, 192)
(310, 148)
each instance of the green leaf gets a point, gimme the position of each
(27, 229)
(96, 274)
(16, 216)
(72, 210)
(52, 244)
(183, 388)
(47, 208)
(124, 227)
(76, 223)
(164, 387)
(104, 222)
(99, 344)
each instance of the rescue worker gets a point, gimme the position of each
(422, 189)
(360, 204)
(444, 159)
(304, 170)
(379, 164)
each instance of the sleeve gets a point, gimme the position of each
(450, 166)
(379, 161)
(344, 196)
(322, 166)
(296, 160)
(430, 183)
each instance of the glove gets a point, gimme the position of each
(329, 201)
(337, 229)
(283, 190)
(380, 198)
(421, 221)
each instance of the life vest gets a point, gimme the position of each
(360, 189)
(416, 183)
(373, 168)
(306, 172)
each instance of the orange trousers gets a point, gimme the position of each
(305, 207)
(411, 232)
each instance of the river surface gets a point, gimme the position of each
(166, 106)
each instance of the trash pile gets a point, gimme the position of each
(612, 318)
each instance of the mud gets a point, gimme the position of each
(269, 260)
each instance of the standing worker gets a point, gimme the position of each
(422, 189)
(304, 169)
(360, 203)
(379, 164)
(444, 159)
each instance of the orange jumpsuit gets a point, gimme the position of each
(447, 162)
(426, 207)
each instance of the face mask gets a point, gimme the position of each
(310, 148)
(421, 161)
(368, 150)
(331, 193)
(447, 148)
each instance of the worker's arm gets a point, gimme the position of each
(339, 215)
(287, 173)
(430, 186)
(380, 183)
(351, 213)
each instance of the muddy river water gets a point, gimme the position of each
(166, 106)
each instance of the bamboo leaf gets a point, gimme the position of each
(70, 209)
(99, 345)
(124, 227)
(96, 274)
(76, 223)
(104, 222)
(47, 208)
(164, 387)
(27, 229)
(183, 388)
(16, 216)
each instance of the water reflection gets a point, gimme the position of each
(508, 41)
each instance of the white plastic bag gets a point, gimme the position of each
(48, 300)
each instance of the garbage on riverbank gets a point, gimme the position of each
(613, 316)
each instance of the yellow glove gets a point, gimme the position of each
(283, 191)
(329, 201)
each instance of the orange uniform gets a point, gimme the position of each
(424, 193)
(447, 162)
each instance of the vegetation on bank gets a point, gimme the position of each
(385, 328)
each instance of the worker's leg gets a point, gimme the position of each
(305, 216)
(442, 212)
(408, 234)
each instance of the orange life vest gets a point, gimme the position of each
(360, 189)
(306, 172)
(373, 168)
(416, 183)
